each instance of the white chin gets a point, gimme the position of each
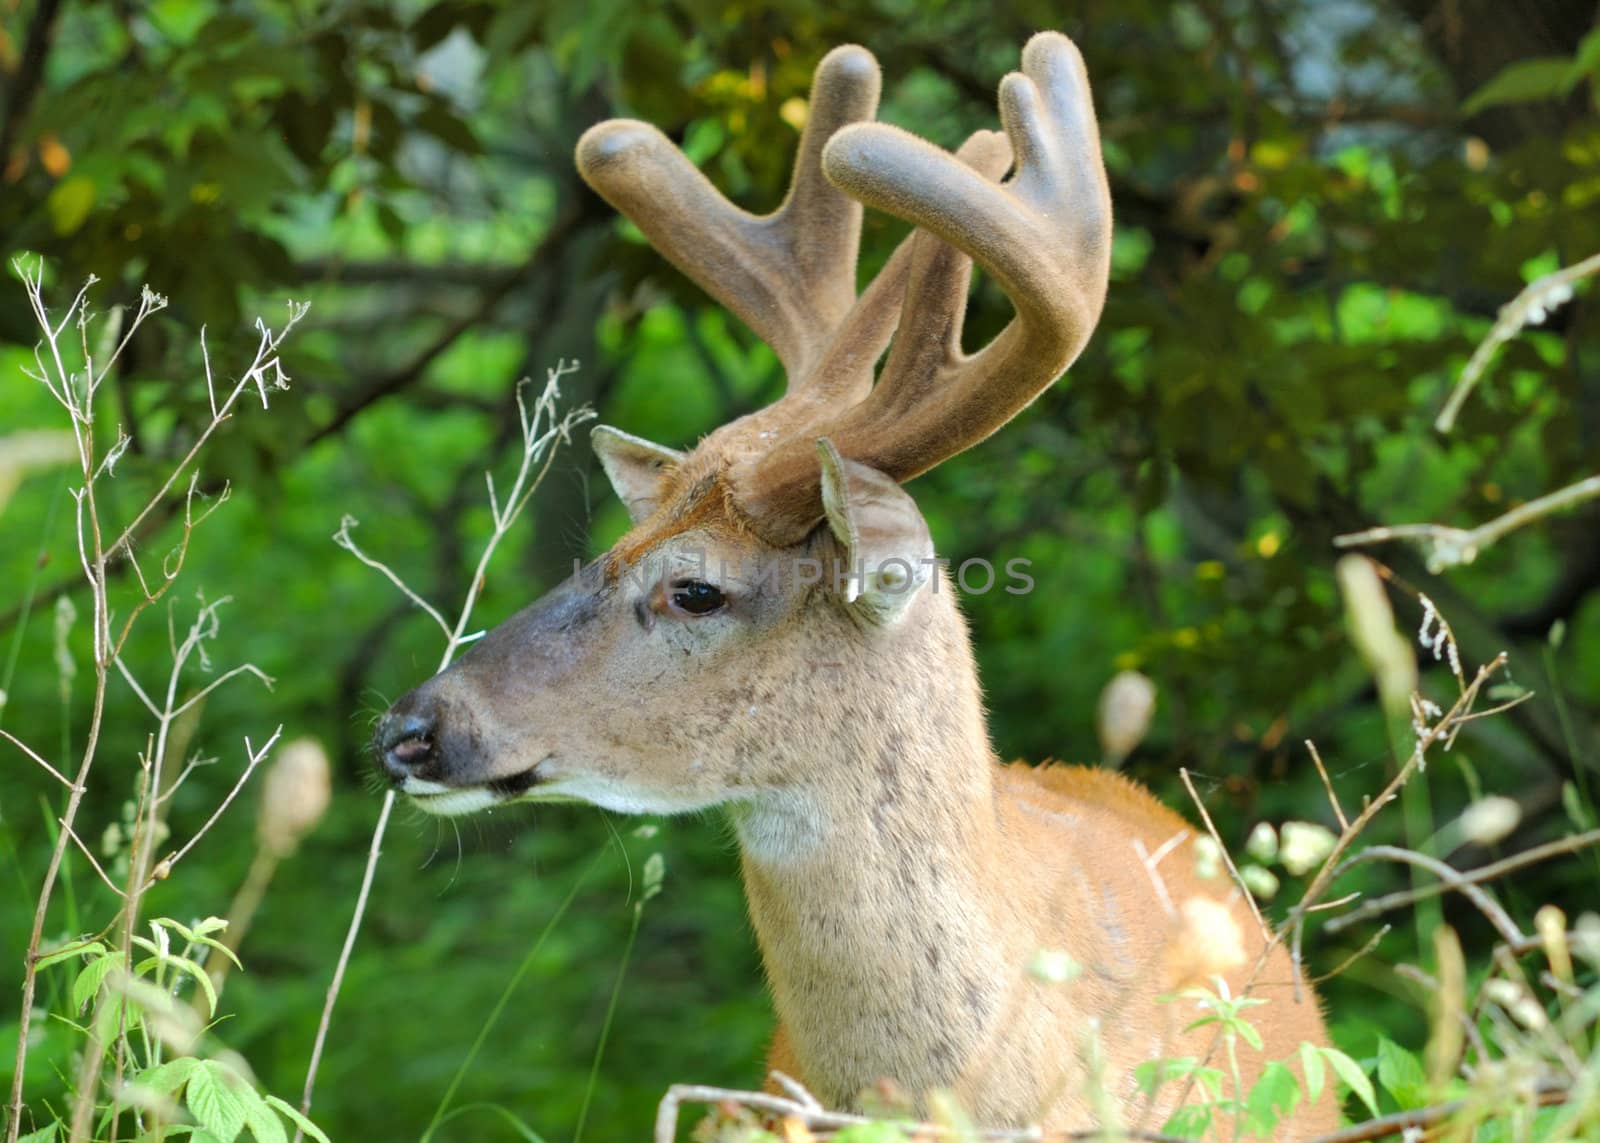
(456, 802)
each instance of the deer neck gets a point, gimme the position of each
(870, 885)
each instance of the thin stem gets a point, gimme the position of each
(1446, 547)
(31, 753)
(1456, 879)
(84, 849)
(76, 392)
(1528, 307)
(343, 538)
(95, 573)
(344, 955)
(505, 998)
(605, 1025)
(254, 757)
(265, 358)
(1327, 784)
(1238, 881)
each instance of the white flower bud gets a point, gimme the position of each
(1126, 706)
(1489, 820)
(1305, 845)
(1260, 881)
(1263, 843)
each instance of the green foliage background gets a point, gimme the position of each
(1312, 235)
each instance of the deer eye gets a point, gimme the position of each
(697, 598)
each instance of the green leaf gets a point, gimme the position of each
(88, 948)
(1272, 1099)
(118, 1013)
(259, 1118)
(1247, 1031)
(1191, 1122)
(70, 202)
(1526, 81)
(189, 966)
(213, 943)
(178, 927)
(1354, 1078)
(167, 1078)
(1402, 1076)
(45, 1134)
(93, 975)
(1572, 802)
(294, 1116)
(1587, 61)
(201, 978)
(1316, 1074)
(1152, 1074)
(214, 1101)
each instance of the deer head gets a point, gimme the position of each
(772, 635)
(777, 567)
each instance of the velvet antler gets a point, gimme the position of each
(1044, 235)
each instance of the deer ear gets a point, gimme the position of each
(637, 468)
(882, 532)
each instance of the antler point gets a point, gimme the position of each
(613, 141)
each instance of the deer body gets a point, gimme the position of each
(773, 636)
(899, 910)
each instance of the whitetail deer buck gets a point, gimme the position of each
(901, 880)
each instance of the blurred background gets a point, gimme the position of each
(1321, 204)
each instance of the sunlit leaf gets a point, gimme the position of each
(212, 1098)
(1526, 81)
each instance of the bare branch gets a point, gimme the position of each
(1372, 943)
(1327, 784)
(246, 669)
(1211, 828)
(1529, 307)
(343, 538)
(265, 358)
(138, 690)
(371, 870)
(1457, 879)
(31, 753)
(84, 849)
(1445, 547)
(801, 1108)
(254, 757)
(1487, 905)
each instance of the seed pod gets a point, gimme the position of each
(294, 795)
(1126, 707)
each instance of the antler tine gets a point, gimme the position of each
(927, 279)
(929, 337)
(790, 275)
(1046, 238)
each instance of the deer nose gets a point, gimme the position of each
(406, 746)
